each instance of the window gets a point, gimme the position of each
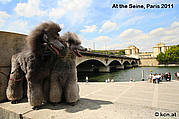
(160, 49)
(130, 51)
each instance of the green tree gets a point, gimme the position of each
(170, 56)
(121, 52)
(161, 58)
(118, 53)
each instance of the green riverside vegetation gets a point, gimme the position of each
(110, 52)
(171, 56)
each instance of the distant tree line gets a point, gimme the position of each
(117, 52)
(171, 56)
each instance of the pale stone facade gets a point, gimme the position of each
(149, 58)
(148, 62)
(160, 47)
(146, 55)
(10, 43)
(132, 51)
(146, 58)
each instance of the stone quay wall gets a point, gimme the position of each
(149, 62)
(10, 43)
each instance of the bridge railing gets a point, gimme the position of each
(88, 53)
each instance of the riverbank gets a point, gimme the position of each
(152, 62)
(119, 100)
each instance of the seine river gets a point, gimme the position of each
(127, 74)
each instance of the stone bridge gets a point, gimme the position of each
(104, 63)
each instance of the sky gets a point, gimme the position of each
(98, 25)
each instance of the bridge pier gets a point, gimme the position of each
(105, 69)
(117, 67)
(127, 66)
(135, 65)
(120, 67)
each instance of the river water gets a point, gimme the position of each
(127, 74)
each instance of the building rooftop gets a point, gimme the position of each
(160, 45)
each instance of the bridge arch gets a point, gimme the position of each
(90, 65)
(84, 59)
(126, 64)
(134, 63)
(115, 65)
(115, 62)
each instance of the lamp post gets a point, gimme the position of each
(93, 45)
(105, 47)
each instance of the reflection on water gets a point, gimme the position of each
(127, 74)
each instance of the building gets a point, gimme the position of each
(132, 51)
(149, 58)
(146, 58)
(145, 54)
(160, 47)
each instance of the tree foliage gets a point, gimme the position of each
(170, 56)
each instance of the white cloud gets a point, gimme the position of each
(133, 37)
(57, 13)
(89, 29)
(133, 20)
(3, 14)
(18, 26)
(108, 26)
(29, 9)
(75, 10)
(130, 16)
(145, 41)
(117, 46)
(157, 31)
(102, 42)
(3, 17)
(175, 24)
(102, 38)
(133, 34)
(85, 42)
(98, 43)
(166, 34)
(5, 1)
